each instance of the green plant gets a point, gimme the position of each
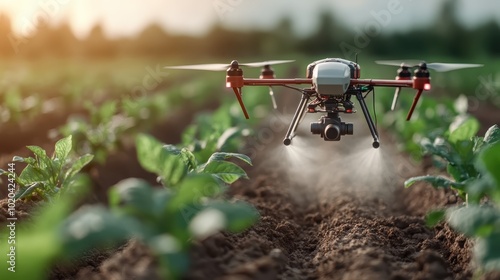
(172, 164)
(101, 134)
(37, 244)
(166, 219)
(458, 150)
(482, 221)
(473, 163)
(211, 133)
(49, 177)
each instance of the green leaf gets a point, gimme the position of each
(224, 156)
(173, 171)
(32, 174)
(478, 143)
(465, 151)
(492, 135)
(78, 165)
(38, 245)
(464, 131)
(94, 226)
(192, 189)
(435, 217)
(473, 220)
(2, 172)
(27, 190)
(228, 134)
(103, 113)
(480, 188)
(63, 147)
(187, 156)
(172, 149)
(189, 159)
(154, 158)
(456, 172)
(440, 148)
(18, 159)
(239, 215)
(135, 196)
(39, 152)
(228, 172)
(175, 264)
(489, 163)
(487, 252)
(436, 181)
(150, 153)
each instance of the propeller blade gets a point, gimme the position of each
(403, 62)
(444, 67)
(264, 63)
(414, 104)
(437, 66)
(395, 99)
(271, 93)
(222, 66)
(207, 67)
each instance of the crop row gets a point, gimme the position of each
(189, 203)
(445, 132)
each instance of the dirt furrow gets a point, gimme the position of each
(334, 213)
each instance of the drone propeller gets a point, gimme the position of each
(437, 66)
(222, 66)
(405, 74)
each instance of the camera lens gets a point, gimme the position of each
(332, 132)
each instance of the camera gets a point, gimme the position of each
(331, 129)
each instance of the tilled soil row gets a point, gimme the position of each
(345, 237)
(312, 230)
(318, 230)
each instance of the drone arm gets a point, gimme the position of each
(275, 82)
(383, 83)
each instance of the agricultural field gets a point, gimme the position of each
(117, 169)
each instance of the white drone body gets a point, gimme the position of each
(331, 78)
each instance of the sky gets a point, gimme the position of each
(195, 17)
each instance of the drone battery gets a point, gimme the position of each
(331, 78)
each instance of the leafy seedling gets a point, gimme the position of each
(49, 177)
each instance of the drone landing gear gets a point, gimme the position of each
(330, 127)
(369, 120)
(297, 117)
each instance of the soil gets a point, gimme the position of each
(319, 231)
(328, 211)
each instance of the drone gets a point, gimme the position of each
(332, 82)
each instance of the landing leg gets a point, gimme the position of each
(369, 120)
(297, 117)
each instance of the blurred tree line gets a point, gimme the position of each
(447, 36)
